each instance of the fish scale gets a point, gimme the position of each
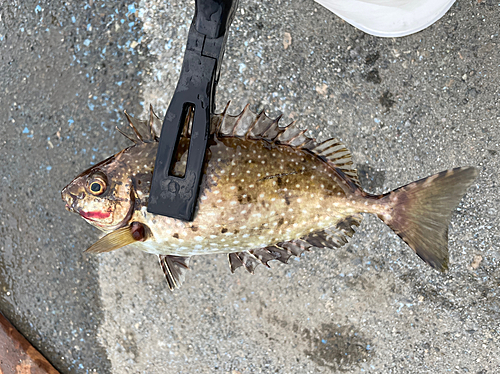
(267, 193)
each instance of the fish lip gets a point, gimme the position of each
(94, 222)
(65, 196)
(87, 215)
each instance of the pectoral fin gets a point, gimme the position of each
(114, 240)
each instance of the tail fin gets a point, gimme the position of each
(421, 211)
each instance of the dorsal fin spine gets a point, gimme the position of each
(273, 126)
(257, 118)
(151, 122)
(126, 135)
(131, 123)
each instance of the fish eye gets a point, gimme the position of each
(97, 185)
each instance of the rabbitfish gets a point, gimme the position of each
(268, 192)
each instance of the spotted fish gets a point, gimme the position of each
(268, 193)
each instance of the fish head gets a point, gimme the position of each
(102, 195)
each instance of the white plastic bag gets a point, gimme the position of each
(389, 18)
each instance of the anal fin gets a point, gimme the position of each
(245, 258)
(332, 237)
(174, 268)
(335, 236)
(281, 252)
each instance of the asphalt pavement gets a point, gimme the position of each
(405, 107)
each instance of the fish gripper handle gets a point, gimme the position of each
(171, 195)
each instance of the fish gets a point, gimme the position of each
(267, 193)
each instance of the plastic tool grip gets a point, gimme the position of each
(171, 195)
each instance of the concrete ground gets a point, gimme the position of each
(406, 108)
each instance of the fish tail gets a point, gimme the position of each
(420, 212)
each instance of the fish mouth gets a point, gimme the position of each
(71, 206)
(71, 200)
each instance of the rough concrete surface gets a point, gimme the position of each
(405, 107)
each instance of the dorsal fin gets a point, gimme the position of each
(337, 154)
(255, 126)
(259, 126)
(143, 131)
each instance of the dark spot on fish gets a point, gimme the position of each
(243, 198)
(224, 230)
(176, 236)
(279, 181)
(373, 76)
(287, 200)
(138, 204)
(386, 100)
(236, 232)
(281, 175)
(372, 58)
(492, 152)
(240, 188)
(281, 221)
(194, 228)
